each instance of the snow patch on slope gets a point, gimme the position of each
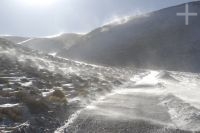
(25, 41)
(118, 20)
(8, 105)
(179, 93)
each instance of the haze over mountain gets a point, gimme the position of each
(37, 18)
(15, 39)
(51, 44)
(43, 90)
(155, 40)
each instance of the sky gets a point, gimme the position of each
(36, 18)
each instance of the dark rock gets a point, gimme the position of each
(3, 81)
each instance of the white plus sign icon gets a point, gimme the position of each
(187, 14)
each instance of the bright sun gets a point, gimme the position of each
(38, 2)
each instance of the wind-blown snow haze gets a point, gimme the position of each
(109, 66)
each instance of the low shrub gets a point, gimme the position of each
(35, 103)
(57, 96)
(12, 113)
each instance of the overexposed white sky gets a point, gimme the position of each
(50, 17)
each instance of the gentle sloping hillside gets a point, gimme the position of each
(52, 44)
(15, 39)
(156, 40)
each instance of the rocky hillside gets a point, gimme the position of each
(156, 40)
(38, 92)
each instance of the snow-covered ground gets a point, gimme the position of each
(170, 99)
(99, 99)
(8, 105)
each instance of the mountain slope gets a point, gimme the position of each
(38, 92)
(52, 44)
(15, 39)
(156, 40)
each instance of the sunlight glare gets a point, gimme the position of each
(38, 2)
